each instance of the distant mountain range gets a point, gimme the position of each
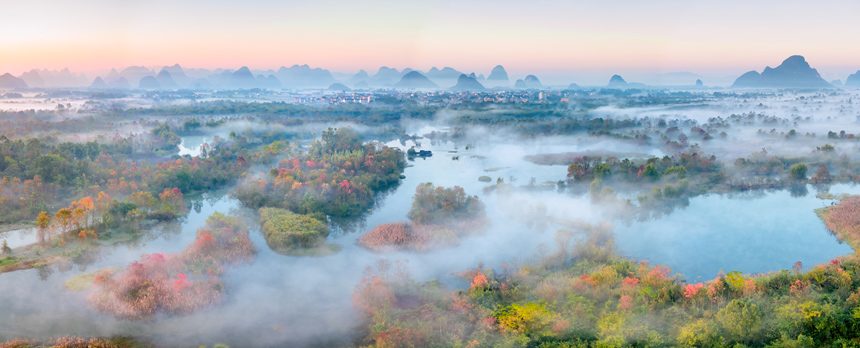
(7, 81)
(793, 72)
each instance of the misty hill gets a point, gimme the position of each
(302, 76)
(7, 81)
(520, 84)
(63, 78)
(361, 85)
(532, 82)
(121, 83)
(853, 80)
(386, 73)
(201, 83)
(134, 74)
(699, 83)
(194, 74)
(467, 83)
(793, 72)
(415, 79)
(112, 76)
(837, 83)
(149, 82)
(54, 78)
(498, 75)
(572, 86)
(616, 81)
(273, 82)
(165, 80)
(98, 83)
(445, 73)
(33, 79)
(338, 87)
(445, 77)
(178, 75)
(749, 78)
(220, 77)
(243, 78)
(358, 77)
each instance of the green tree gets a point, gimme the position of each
(798, 171)
(651, 172)
(741, 320)
(680, 171)
(52, 168)
(602, 171)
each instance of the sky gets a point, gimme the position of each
(537, 36)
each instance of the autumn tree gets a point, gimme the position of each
(64, 220)
(651, 172)
(171, 200)
(144, 200)
(822, 174)
(5, 250)
(43, 223)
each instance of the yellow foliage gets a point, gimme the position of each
(529, 319)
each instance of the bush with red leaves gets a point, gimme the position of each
(176, 284)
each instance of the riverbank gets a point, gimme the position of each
(843, 219)
(71, 247)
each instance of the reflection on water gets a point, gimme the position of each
(19, 237)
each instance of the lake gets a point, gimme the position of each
(280, 299)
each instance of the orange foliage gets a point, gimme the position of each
(479, 282)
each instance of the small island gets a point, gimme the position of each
(295, 234)
(440, 217)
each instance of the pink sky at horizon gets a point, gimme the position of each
(344, 36)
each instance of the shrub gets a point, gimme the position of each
(798, 171)
(741, 320)
(285, 231)
(393, 235)
(407, 236)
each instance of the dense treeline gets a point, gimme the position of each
(39, 177)
(691, 172)
(277, 111)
